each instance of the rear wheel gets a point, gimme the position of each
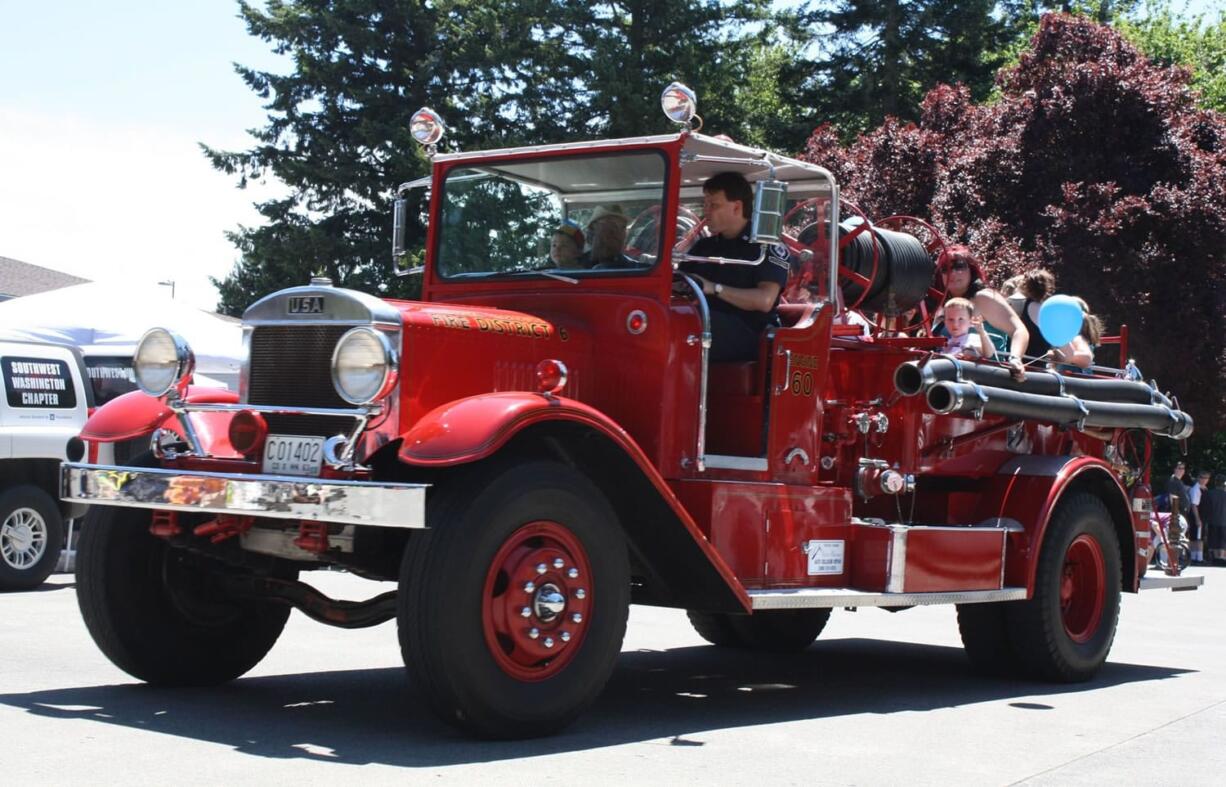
(1064, 632)
(513, 604)
(160, 614)
(777, 630)
(714, 628)
(985, 636)
(31, 537)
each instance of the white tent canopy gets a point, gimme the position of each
(107, 319)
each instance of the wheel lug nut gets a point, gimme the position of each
(526, 612)
(565, 635)
(557, 563)
(533, 633)
(541, 568)
(549, 642)
(529, 587)
(577, 617)
(573, 573)
(581, 593)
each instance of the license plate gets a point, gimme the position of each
(293, 455)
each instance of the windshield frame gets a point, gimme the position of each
(438, 232)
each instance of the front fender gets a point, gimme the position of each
(1028, 488)
(473, 428)
(470, 429)
(137, 413)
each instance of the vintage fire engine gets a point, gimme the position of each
(540, 442)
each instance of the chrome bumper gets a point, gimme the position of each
(278, 497)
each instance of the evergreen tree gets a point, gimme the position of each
(513, 72)
(879, 58)
(338, 124)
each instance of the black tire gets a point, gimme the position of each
(481, 672)
(714, 628)
(1068, 641)
(985, 637)
(779, 630)
(157, 612)
(31, 537)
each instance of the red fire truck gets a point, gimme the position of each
(538, 443)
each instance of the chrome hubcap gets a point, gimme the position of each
(23, 538)
(549, 602)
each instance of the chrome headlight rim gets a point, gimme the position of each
(184, 362)
(391, 363)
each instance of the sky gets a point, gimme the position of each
(102, 107)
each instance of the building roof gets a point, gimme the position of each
(21, 278)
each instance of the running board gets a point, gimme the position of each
(802, 598)
(1174, 583)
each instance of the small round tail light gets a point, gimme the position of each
(247, 432)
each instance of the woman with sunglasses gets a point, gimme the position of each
(959, 274)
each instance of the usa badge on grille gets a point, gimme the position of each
(305, 304)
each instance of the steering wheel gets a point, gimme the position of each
(642, 236)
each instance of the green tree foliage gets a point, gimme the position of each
(1197, 43)
(877, 59)
(506, 73)
(337, 133)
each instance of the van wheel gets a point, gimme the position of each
(1064, 632)
(162, 614)
(31, 537)
(513, 605)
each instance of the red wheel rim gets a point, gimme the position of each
(536, 600)
(1083, 588)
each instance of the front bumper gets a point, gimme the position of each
(278, 497)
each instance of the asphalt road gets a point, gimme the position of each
(881, 698)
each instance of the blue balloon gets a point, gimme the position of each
(1060, 319)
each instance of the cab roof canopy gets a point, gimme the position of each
(702, 157)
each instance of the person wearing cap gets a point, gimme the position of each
(743, 299)
(606, 231)
(566, 245)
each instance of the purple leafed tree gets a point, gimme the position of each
(1092, 162)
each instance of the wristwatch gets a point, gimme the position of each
(718, 288)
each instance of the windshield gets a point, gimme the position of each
(578, 215)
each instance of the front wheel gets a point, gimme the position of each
(513, 604)
(31, 536)
(1064, 632)
(160, 614)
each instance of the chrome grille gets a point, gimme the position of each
(292, 365)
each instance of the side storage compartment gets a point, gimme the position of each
(893, 558)
(775, 535)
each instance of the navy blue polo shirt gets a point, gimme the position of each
(775, 268)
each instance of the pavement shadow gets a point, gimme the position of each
(370, 716)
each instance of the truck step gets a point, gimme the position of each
(800, 598)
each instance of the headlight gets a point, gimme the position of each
(363, 366)
(162, 361)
